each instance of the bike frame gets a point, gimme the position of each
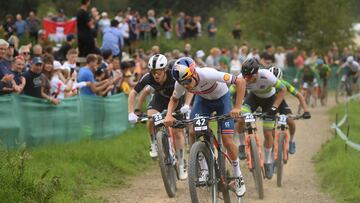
(281, 129)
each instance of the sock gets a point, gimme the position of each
(152, 139)
(180, 156)
(268, 155)
(202, 162)
(292, 138)
(236, 165)
(241, 138)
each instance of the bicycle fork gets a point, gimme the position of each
(285, 146)
(248, 151)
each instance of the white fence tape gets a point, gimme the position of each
(342, 121)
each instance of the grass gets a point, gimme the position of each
(81, 169)
(339, 170)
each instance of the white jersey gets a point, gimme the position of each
(212, 84)
(354, 66)
(264, 86)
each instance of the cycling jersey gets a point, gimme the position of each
(354, 66)
(212, 84)
(324, 71)
(265, 85)
(308, 74)
(164, 90)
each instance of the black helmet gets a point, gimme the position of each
(250, 66)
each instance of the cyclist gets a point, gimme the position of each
(309, 77)
(352, 68)
(286, 109)
(324, 71)
(162, 84)
(262, 86)
(212, 94)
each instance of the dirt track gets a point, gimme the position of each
(300, 181)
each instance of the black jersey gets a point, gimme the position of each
(165, 90)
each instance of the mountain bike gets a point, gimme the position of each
(253, 152)
(343, 90)
(166, 152)
(281, 144)
(208, 156)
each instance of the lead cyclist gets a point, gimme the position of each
(212, 94)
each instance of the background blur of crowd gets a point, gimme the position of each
(104, 57)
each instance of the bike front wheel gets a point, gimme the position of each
(341, 93)
(280, 161)
(202, 178)
(256, 169)
(167, 168)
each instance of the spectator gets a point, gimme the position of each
(144, 29)
(24, 51)
(5, 65)
(16, 68)
(268, 57)
(37, 50)
(290, 56)
(86, 74)
(60, 55)
(197, 20)
(47, 70)
(254, 54)
(9, 26)
(33, 78)
(113, 39)
(311, 60)
(224, 61)
(20, 26)
(187, 50)
(104, 22)
(180, 26)
(61, 17)
(155, 50)
(153, 23)
(166, 24)
(280, 57)
(211, 28)
(199, 58)
(236, 32)
(119, 16)
(300, 60)
(10, 53)
(59, 87)
(70, 63)
(243, 53)
(191, 29)
(213, 59)
(346, 53)
(33, 24)
(85, 33)
(133, 30)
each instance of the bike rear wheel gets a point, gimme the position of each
(201, 191)
(168, 171)
(280, 161)
(256, 170)
(225, 174)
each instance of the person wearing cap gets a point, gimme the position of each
(199, 58)
(104, 22)
(59, 89)
(33, 78)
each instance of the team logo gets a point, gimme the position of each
(226, 77)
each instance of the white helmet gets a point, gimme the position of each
(276, 71)
(350, 59)
(158, 61)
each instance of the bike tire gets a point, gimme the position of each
(168, 171)
(256, 170)
(224, 173)
(280, 161)
(196, 149)
(340, 93)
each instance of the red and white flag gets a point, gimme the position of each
(57, 31)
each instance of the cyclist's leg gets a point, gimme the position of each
(315, 89)
(354, 83)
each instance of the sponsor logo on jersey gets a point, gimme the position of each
(226, 77)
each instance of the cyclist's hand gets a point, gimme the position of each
(185, 109)
(272, 111)
(235, 112)
(169, 120)
(306, 115)
(132, 118)
(137, 112)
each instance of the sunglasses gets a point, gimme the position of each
(26, 53)
(186, 81)
(249, 76)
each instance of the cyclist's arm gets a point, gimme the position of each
(131, 100)
(302, 102)
(281, 91)
(174, 99)
(132, 95)
(147, 91)
(188, 98)
(240, 92)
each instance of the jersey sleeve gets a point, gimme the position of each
(214, 75)
(178, 90)
(144, 81)
(274, 81)
(291, 89)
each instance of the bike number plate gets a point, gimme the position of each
(158, 119)
(200, 124)
(282, 120)
(249, 118)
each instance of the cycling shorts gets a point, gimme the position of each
(222, 106)
(284, 108)
(252, 102)
(314, 83)
(160, 103)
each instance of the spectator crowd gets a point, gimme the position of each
(54, 73)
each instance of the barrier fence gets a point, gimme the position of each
(344, 120)
(34, 121)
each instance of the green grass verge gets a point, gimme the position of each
(75, 172)
(339, 170)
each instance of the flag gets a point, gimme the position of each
(57, 31)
